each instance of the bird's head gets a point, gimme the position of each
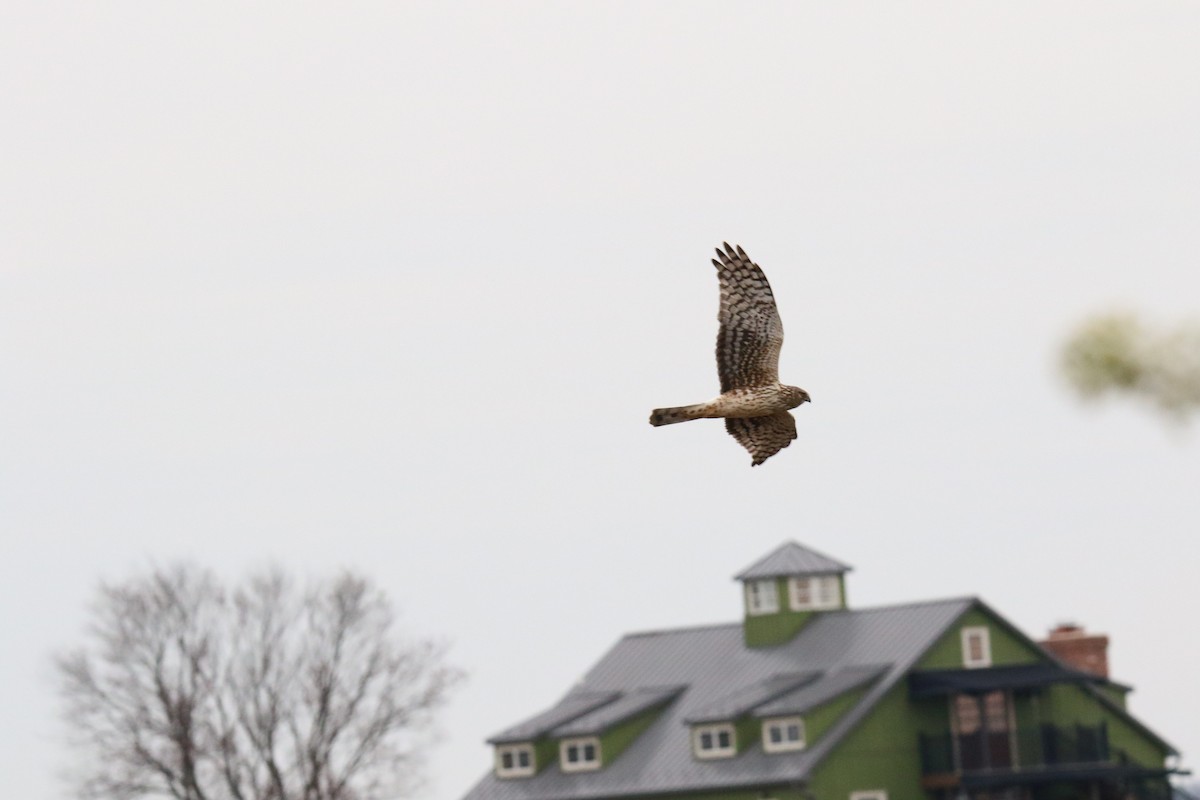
(796, 396)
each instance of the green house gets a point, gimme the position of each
(807, 699)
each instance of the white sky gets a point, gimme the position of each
(395, 287)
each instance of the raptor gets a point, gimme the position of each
(754, 404)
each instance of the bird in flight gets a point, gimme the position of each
(753, 403)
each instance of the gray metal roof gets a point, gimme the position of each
(569, 708)
(791, 558)
(748, 698)
(830, 685)
(713, 662)
(629, 705)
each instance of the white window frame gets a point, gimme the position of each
(762, 597)
(515, 771)
(985, 646)
(784, 745)
(869, 794)
(715, 730)
(580, 765)
(824, 592)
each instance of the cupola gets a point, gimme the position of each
(785, 588)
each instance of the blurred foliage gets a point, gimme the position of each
(1118, 353)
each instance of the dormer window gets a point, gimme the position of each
(579, 755)
(761, 597)
(976, 647)
(514, 761)
(714, 741)
(814, 592)
(783, 734)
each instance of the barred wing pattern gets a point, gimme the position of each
(753, 403)
(751, 332)
(763, 436)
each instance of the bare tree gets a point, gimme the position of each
(1118, 353)
(190, 689)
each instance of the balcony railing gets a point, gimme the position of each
(1042, 746)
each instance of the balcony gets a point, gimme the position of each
(947, 758)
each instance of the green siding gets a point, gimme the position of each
(1113, 693)
(545, 753)
(1027, 706)
(748, 732)
(1061, 704)
(1007, 648)
(1067, 704)
(768, 630)
(819, 719)
(881, 752)
(930, 715)
(613, 742)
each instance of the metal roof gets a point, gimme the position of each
(714, 662)
(791, 558)
(629, 705)
(830, 685)
(748, 698)
(569, 708)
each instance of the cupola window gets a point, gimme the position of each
(761, 597)
(814, 592)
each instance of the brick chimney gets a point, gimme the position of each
(1086, 652)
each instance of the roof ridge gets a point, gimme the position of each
(792, 558)
(683, 629)
(966, 598)
(738, 624)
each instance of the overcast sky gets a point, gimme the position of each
(394, 287)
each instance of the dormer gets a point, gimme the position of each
(787, 712)
(584, 732)
(785, 588)
(525, 749)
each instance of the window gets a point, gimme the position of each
(783, 734)
(967, 719)
(873, 794)
(828, 592)
(761, 597)
(971, 712)
(713, 741)
(514, 760)
(578, 755)
(814, 592)
(995, 712)
(976, 647)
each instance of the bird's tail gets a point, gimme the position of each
(669, 416)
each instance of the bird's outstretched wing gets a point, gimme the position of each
(751, 332)
(763, 436)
